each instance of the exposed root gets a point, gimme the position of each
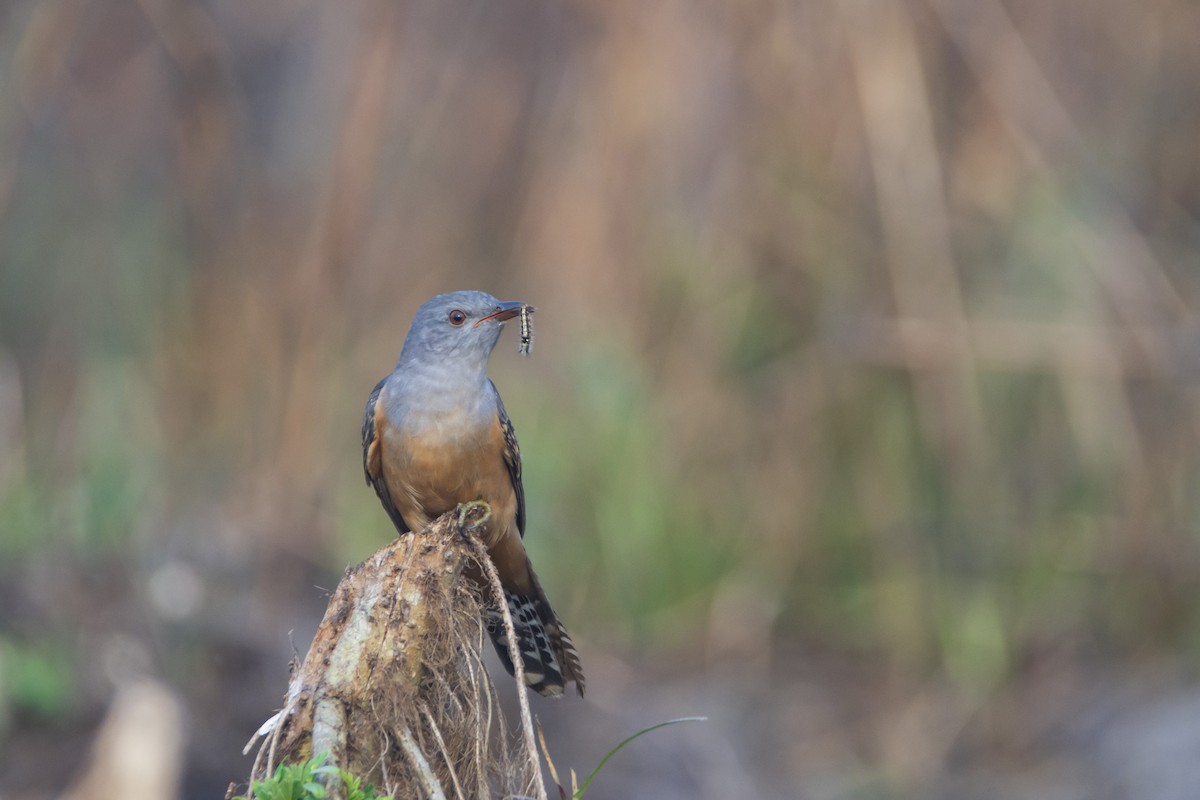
(518, 662)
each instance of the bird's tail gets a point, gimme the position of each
(548, 654)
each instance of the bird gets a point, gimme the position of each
(435, 434)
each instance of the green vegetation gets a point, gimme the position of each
(307, 782)
(582, 788)
(577, 789)
(35, 678)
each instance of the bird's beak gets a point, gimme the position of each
(504, 311)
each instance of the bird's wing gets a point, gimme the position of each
(512, 459)
(372, 444)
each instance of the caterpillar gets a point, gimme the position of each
(526, 330)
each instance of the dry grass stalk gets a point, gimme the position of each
(393, 687)
(514, 654)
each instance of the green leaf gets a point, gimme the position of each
(300, 782)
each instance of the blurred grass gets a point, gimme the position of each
(877, 334)
(37, 680)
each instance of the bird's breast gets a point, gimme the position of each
(435, 462)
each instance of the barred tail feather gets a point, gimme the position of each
(547, 652)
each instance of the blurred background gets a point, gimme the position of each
(862, 418)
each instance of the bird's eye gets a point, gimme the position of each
(458, 317)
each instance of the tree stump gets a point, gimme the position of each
(393, 687)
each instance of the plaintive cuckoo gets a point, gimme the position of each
(435, 434)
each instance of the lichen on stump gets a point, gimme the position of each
(393, 687)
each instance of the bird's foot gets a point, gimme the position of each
(472, 515)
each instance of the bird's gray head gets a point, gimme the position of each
(459, 329)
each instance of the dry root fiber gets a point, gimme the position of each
(393, 687)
